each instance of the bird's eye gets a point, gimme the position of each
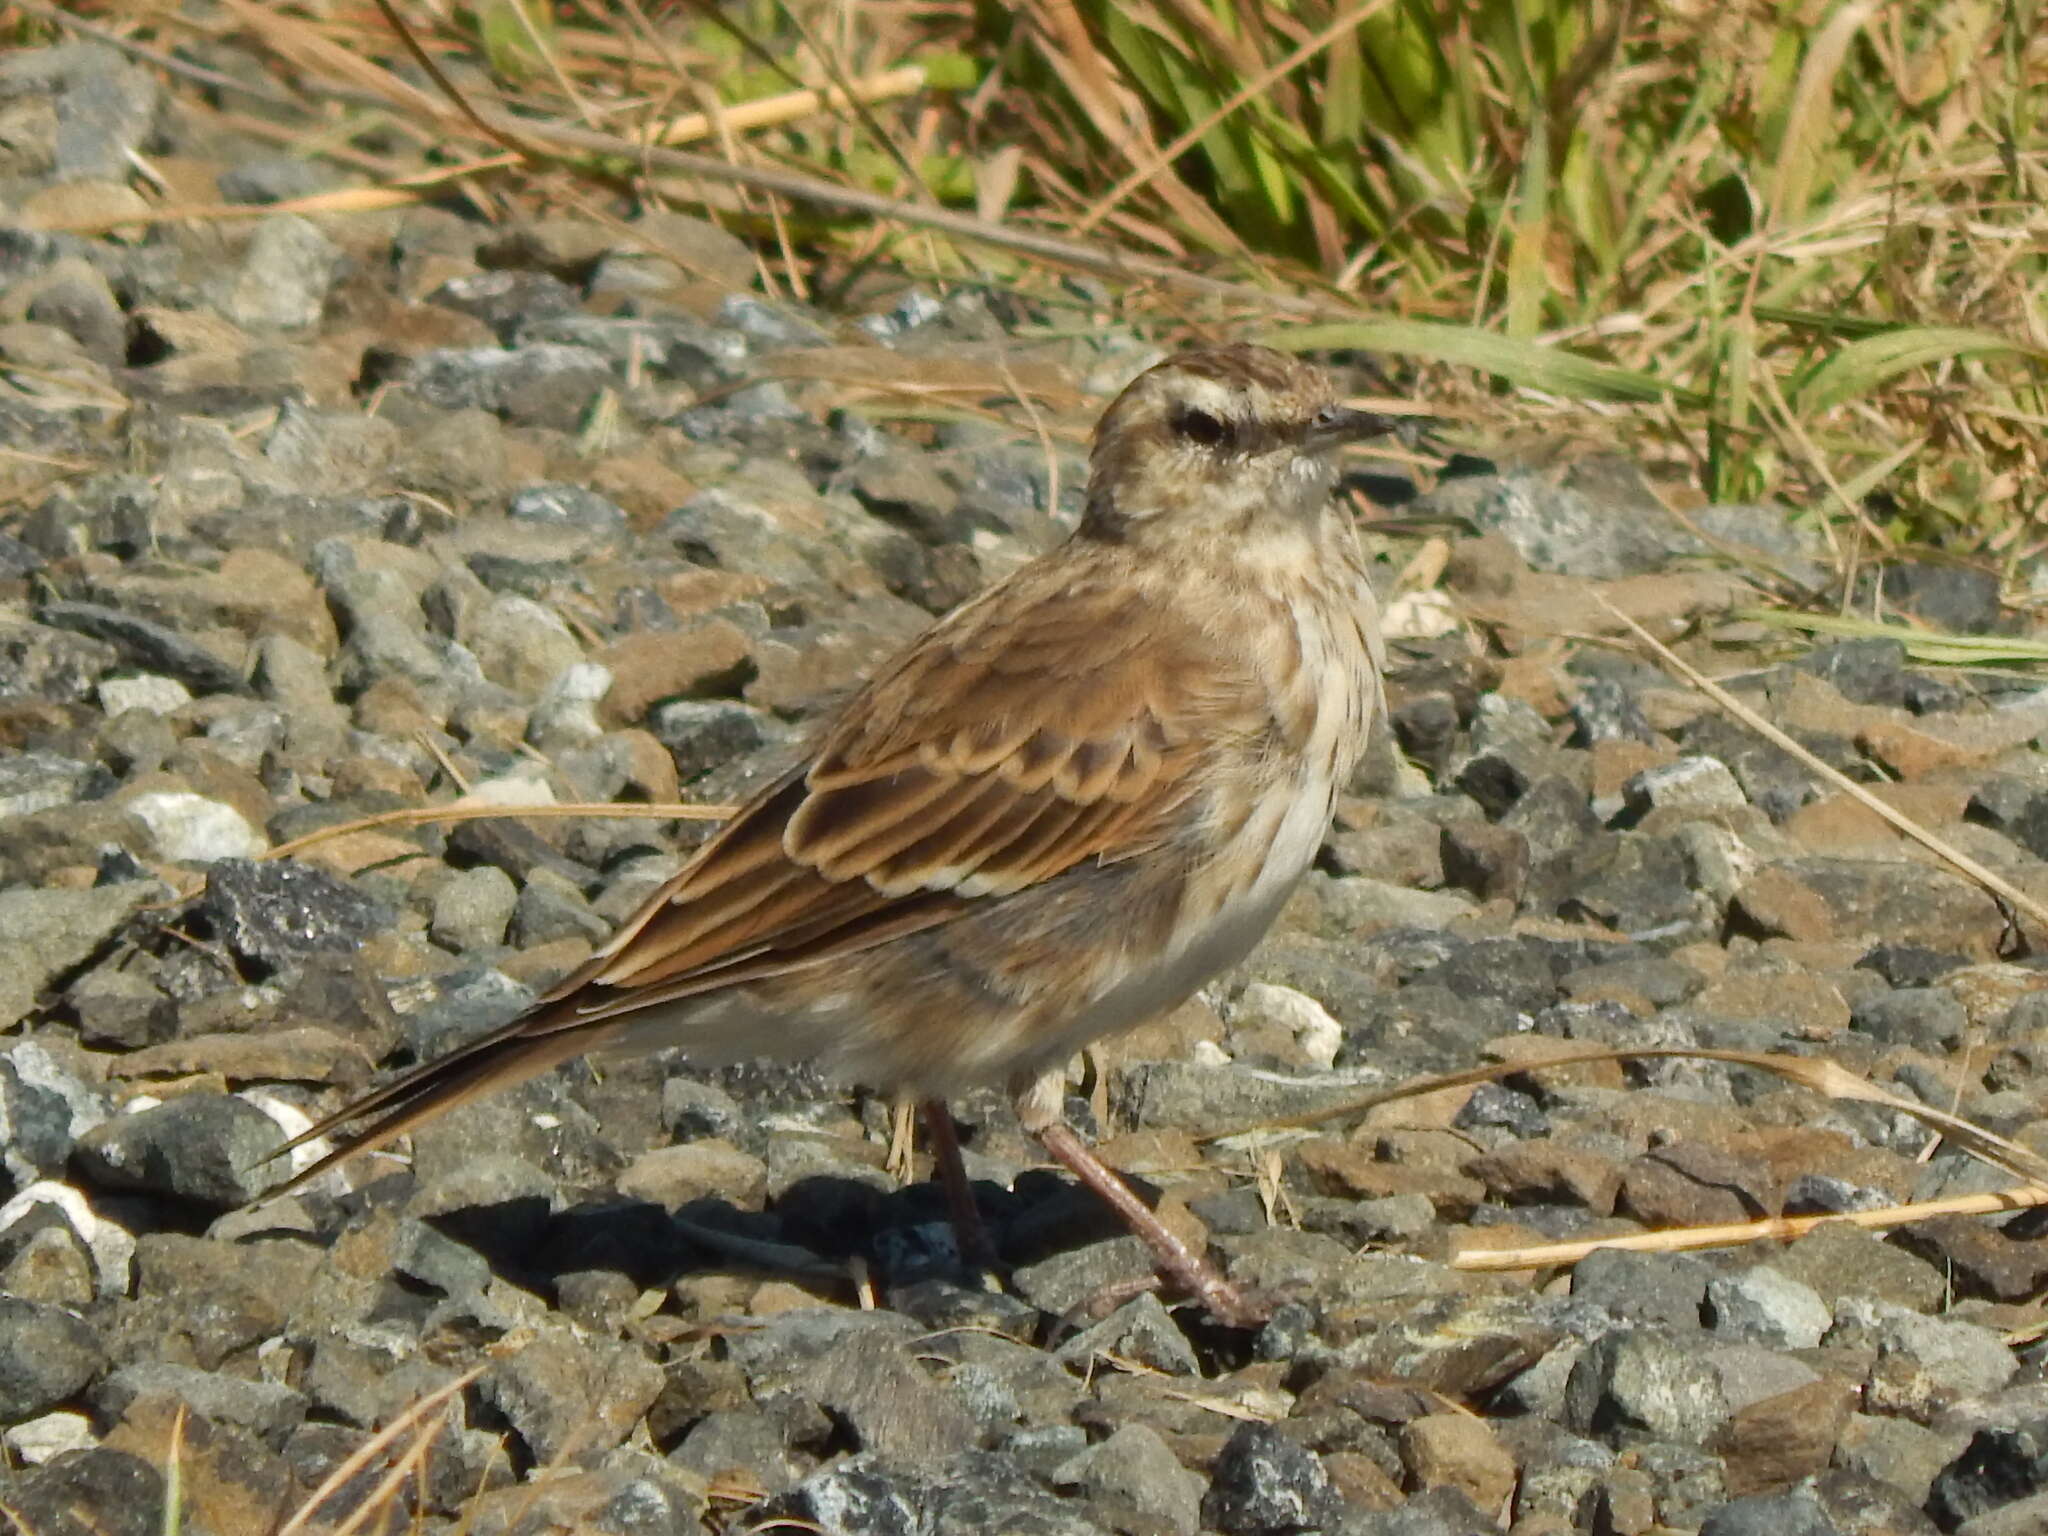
(1200, 427)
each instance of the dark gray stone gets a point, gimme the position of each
(209, 1148)
(1796, 1512)
(1265, 1484)
(1665, 1290)
(47, 1355)
(2002, 1464)
(1926, 1018)
(147, 644)
(95, 1492)
(278, 912)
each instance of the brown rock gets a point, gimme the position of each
(1616, 761)
(1811, 1003)
(1841, 823)
(1360, 1481)
(1773, 1443)
(1458, 1450)
(1875, 900)
(674, 1176)
(708, 660)
(1695, 1183)
(1914, 754)
(1534, 1050)
(228, 1479)
(1775, 900)
(2009, 1268)
(1489, 861)
(1342, 1168)
(306, 1054)
(1549, 1172)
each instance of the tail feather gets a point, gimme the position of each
(500, 1059)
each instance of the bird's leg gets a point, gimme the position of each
(968, 1228)
(1038, 1108)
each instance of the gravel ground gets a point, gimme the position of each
(303, 520)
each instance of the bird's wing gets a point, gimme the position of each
(1040, 726)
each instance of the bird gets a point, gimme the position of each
(1059, 812)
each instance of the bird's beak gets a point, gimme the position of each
(1340, 424)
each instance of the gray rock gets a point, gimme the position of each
(563, 1391)
(1139, 1330)
(106, 107)
(285, 276)
(269, 1409)
(35, 781)
(1204, 1098)
(472, 908)
(324, 453)
(2023, 1517)
(451, 1010)
(1265, 1484)
(544, 385)
(971, 1495)
(1435, 1512)
(573, 507)
(1839, 1260)
(147, 644)
(2002, 1465)
(1664, 1290)
(704, 734)
(744, 1440)
(1794, 1513)
(273, 179)
(1134, 1470)
(47, 1355)
(1924, 1364)
(43, 1110)
(520, 644)
(44, 934)
(209, 1148)
(1695, 785)
(1926, 1018)
(692, 1110)
(1600, 522)
(1633, 1383)
(1766, 1307)
(1076, 1276)
(549, 908)
(1905, 1455)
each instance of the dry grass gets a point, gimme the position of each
(1785, 250)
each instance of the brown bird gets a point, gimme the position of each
(1071, 802)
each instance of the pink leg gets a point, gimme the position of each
(968, 1227)
(1037, 1108)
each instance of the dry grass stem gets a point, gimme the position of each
(417, 816)
(1734, 1234)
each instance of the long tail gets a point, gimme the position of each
(524, 1048)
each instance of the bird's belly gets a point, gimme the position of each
(1168, 981)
